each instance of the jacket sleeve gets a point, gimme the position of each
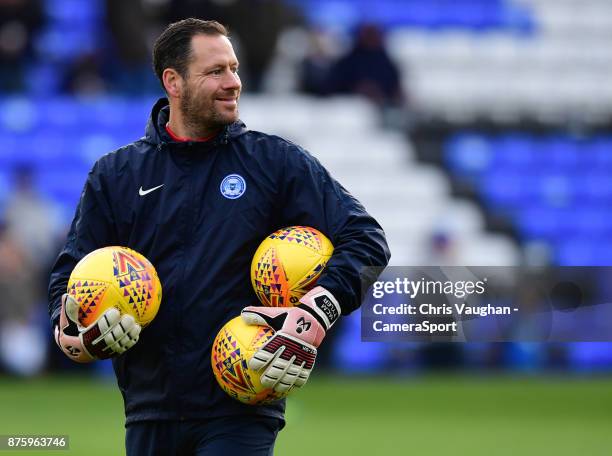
(91, 228)
(313, 198)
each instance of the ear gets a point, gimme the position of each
(173, 83)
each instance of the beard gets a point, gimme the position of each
(201, 116)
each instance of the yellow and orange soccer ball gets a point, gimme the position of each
(232, 349)
(288, 263)
(115, 277)
(286, 266)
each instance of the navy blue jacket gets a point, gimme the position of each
(201, 243)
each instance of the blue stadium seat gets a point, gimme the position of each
(513, 151)
(18, 115)
(473, 15)
(70, 12)
(595, 186)
(44, 79)
(558, 152)
(61, 43)
(478, 15)
(5, 183)
(542, 223)
(10, 151)
(554, 189)
(60, 114)
(559, 224)
(588, 357)
(363, 356)
(592, 221)
(468, 154)
(557, 188)
(507, 189)
(584, 251)
(599, 152)
(62, 184)
(575, 253)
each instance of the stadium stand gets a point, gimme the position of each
(510, 115)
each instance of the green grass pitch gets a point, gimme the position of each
(340, 416)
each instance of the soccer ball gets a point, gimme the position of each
(233, 347)
(288, 263)
(115, 277)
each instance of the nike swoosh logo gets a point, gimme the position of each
(142, 192)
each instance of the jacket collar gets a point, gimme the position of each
(156, 133)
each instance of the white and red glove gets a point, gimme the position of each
(289, 356)
(111, 335)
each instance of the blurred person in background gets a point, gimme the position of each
(22, 343)
(84, 76)
(31, 218)
(315, 68)
(213, 190)
(19, 22)
(442, 248)
(368, 70)
(29, 241)
(133, 26)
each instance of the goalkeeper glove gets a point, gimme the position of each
(287, 359)
(111, 334)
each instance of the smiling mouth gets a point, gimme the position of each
(229, 99)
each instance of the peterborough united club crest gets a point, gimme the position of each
(233, 186)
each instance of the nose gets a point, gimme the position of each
(232, 81)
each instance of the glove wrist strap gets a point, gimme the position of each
(97, 350)
(324, 307)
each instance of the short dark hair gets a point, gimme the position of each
(172, 49)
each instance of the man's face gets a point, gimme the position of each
(209, 98)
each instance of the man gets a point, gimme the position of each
(167, 196)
